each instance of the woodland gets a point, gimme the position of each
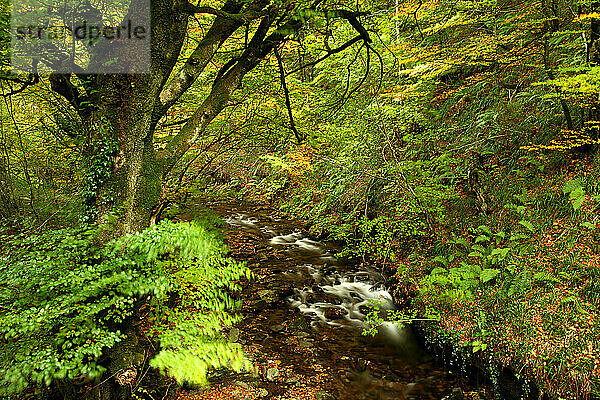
(451, 145)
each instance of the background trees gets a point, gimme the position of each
(117, 115)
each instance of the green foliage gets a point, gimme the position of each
(190, 334)
(474, 262)
(377, 316)
(100, 165)
(68, 300)
(39, 166)
(576, 193)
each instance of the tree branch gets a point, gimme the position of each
(329, 54)
(352, 18)
(61, 84)
(231, 77)
(223, 87)
(286, 93)
(221, 29)
(32, 79)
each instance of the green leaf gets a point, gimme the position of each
(478, 247)
(577, 193)
(441, 260)
(500, 235)
(578, 202)
(462, 241)
(438, 270)
(488, 274)
(482, 238)
(588, 225)
(518, 236)
(571, 186)
(485, 229)
(527, 225)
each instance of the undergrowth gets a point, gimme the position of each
(67, 300)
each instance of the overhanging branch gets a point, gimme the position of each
(329, 54)
(222, 28)
(286, 93)
(230, 77)
(31, 80)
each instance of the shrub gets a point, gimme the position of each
(67, 300)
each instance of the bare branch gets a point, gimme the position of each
(329, 54)
(31, 80)
(286, 93)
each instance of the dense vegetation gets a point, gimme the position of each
(72, 307)
(452, 144)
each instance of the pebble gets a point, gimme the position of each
(272, 373)
(267, 294)
(234, 334)
(243, 384)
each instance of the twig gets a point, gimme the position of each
(104, 381)
(167, 392)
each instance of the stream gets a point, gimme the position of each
(303, 317)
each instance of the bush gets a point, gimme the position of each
(67, 300)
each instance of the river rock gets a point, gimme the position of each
(323, 395)
(243, 385)
(272, 373)
(299, 324)
(234, 334)
(292, 380)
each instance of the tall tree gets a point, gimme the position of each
(119, 113)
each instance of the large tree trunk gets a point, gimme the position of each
(120, 134)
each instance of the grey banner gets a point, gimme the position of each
(80, 36)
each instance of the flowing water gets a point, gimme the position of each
(304, 314)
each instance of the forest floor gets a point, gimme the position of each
(294, 361)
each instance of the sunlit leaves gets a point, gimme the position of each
(67, 301)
